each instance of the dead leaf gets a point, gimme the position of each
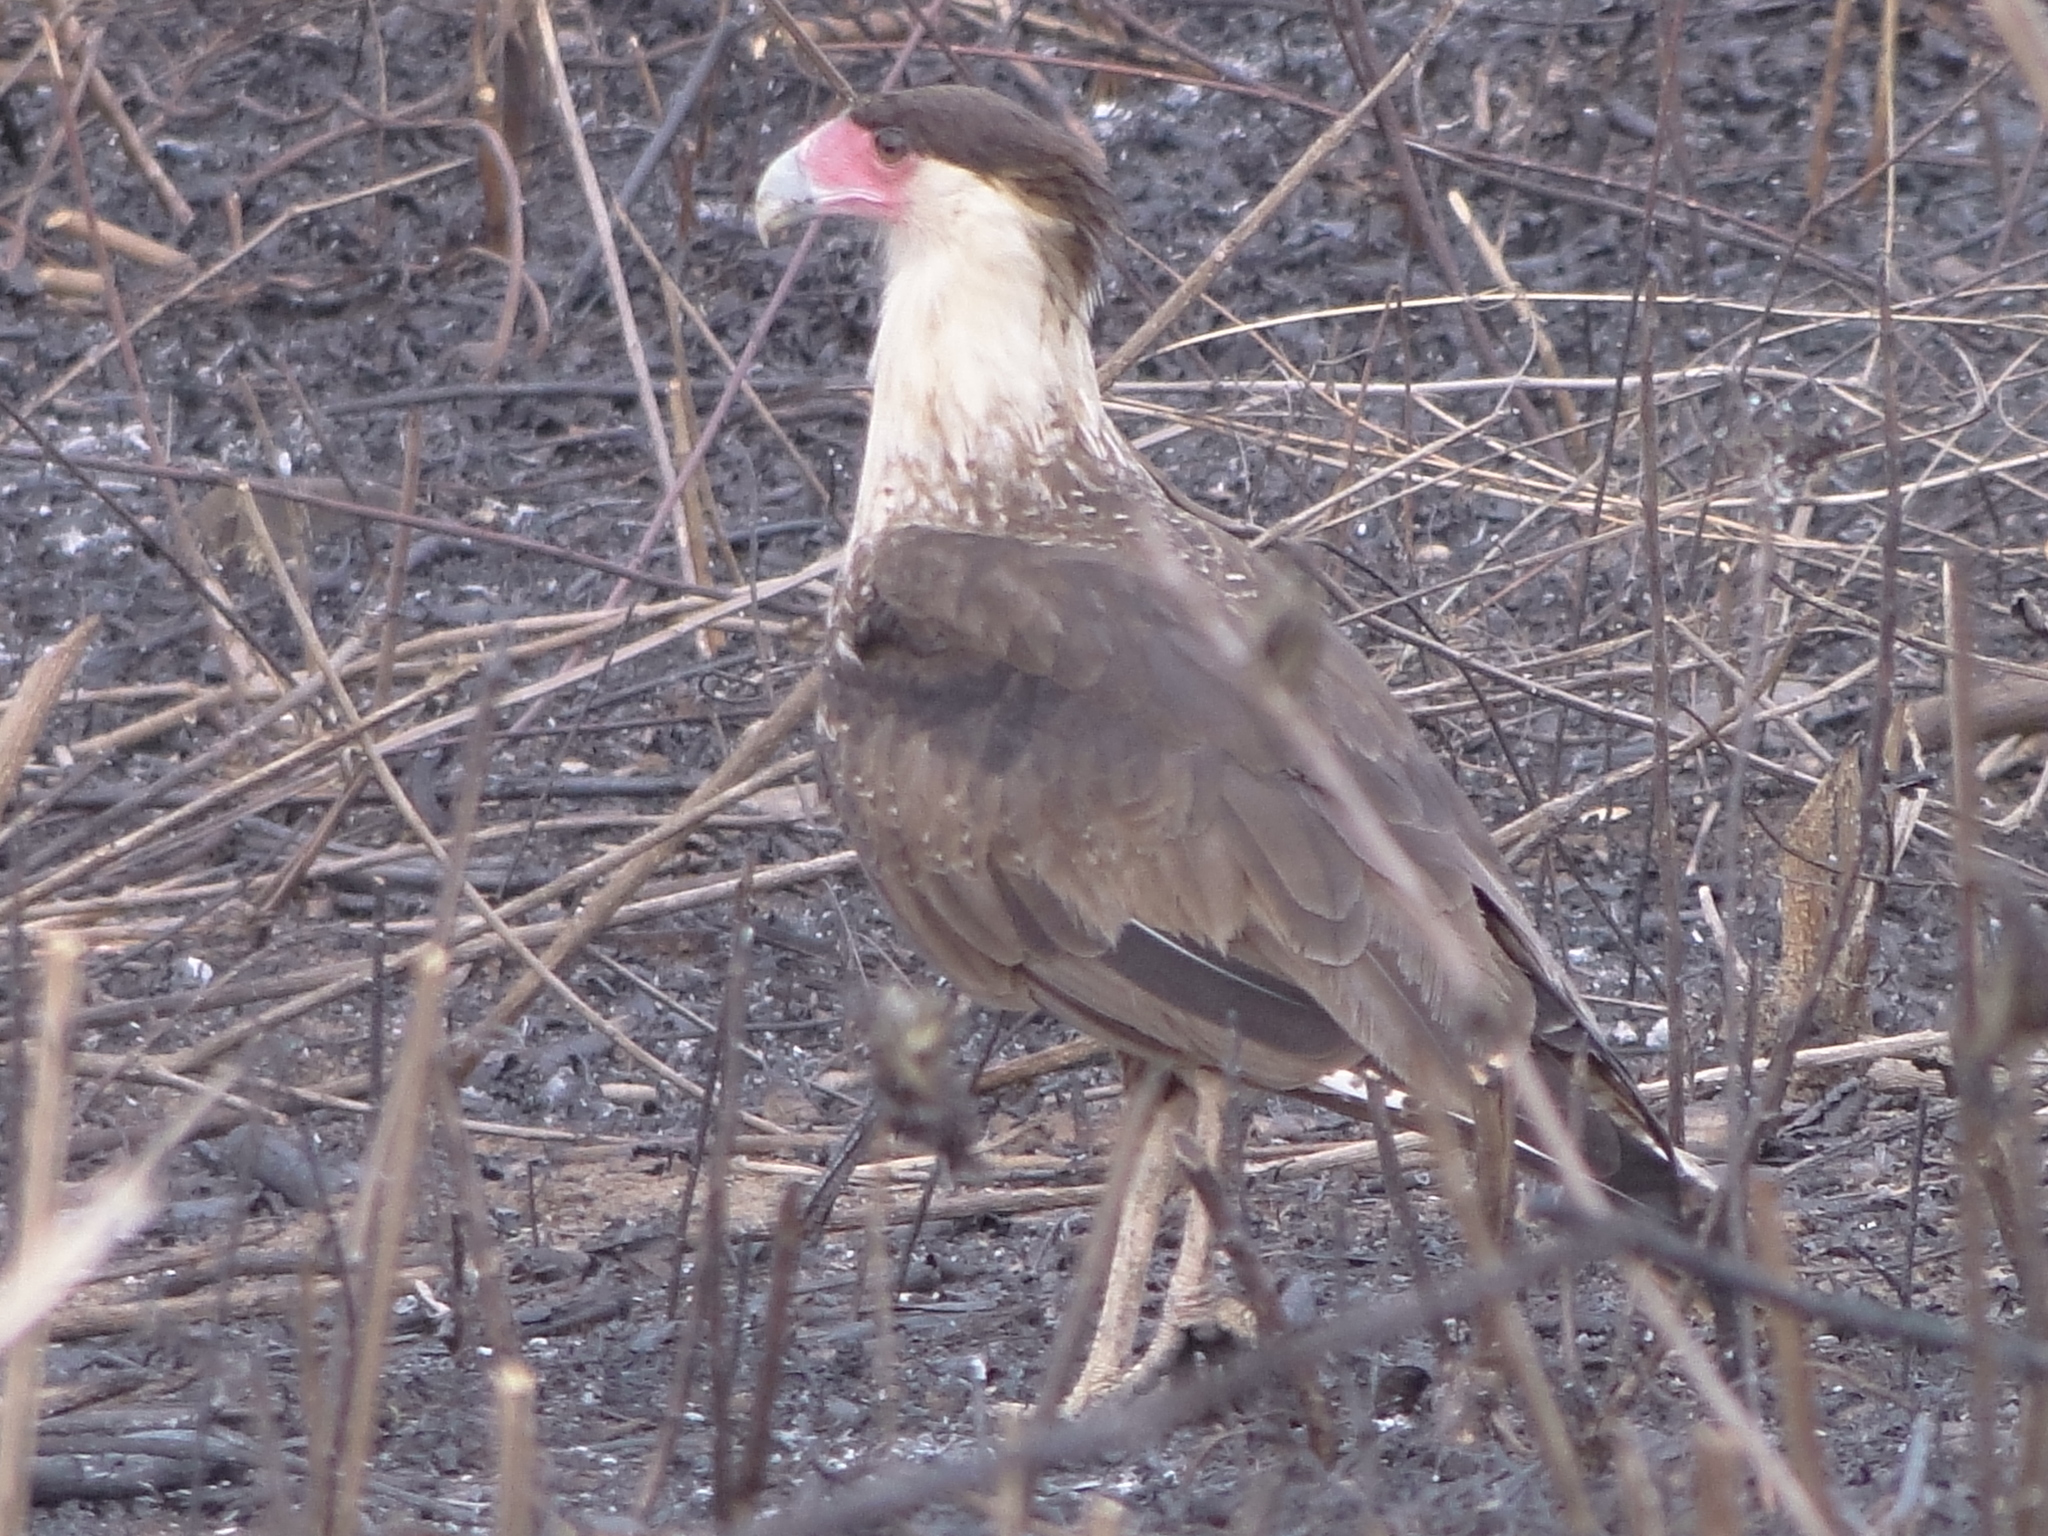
(1820, 853)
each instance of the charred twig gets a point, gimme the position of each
(720, 1338)
(776, 1330)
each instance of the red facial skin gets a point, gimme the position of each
(848, 175)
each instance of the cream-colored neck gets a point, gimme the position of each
(982, 368)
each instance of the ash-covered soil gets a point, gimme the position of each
(1472, 475)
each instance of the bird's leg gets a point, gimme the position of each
(1192, 1303)
(1137, 1226)
(1192, 1306)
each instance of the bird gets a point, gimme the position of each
(1101, 757)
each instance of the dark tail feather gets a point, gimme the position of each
(1622, 1142)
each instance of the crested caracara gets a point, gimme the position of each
(1099, 756)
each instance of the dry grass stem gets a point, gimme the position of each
(1798, 1406)
(518, 1481)
(39, 1142)
(622, 303)
(377, 1229)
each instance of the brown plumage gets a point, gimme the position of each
(1101, 757)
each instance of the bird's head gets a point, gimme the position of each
(946, 166)
(995, 225)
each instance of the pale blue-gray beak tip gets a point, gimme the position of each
(784, 197)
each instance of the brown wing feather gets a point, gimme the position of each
(1038, 745)
(1063, 789)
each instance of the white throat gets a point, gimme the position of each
(982, 366)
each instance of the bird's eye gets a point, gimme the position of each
(891, 145)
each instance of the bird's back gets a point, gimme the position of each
(1066, 760)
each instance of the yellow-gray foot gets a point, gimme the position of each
(1196, 1311)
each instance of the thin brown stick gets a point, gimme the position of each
(492, 147)
(1824, 102)
(1798, 1408)
(40, 1159)
(1054, 1058)
(1641, 1506)
(1386, 1147)
(878, 1298)
(1506, 1327)
(377, 1227)
(108, 104)
(1978, 1099)
(120, 240)
(513, 1386)
(776, 1329)
(721, 1338)
(1717, 1481)
(1663, 833)
(615, 274)
(1884, 101)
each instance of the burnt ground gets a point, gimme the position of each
(1472, 472)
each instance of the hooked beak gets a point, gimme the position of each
(785, 197)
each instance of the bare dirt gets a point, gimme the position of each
(1821, 367)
